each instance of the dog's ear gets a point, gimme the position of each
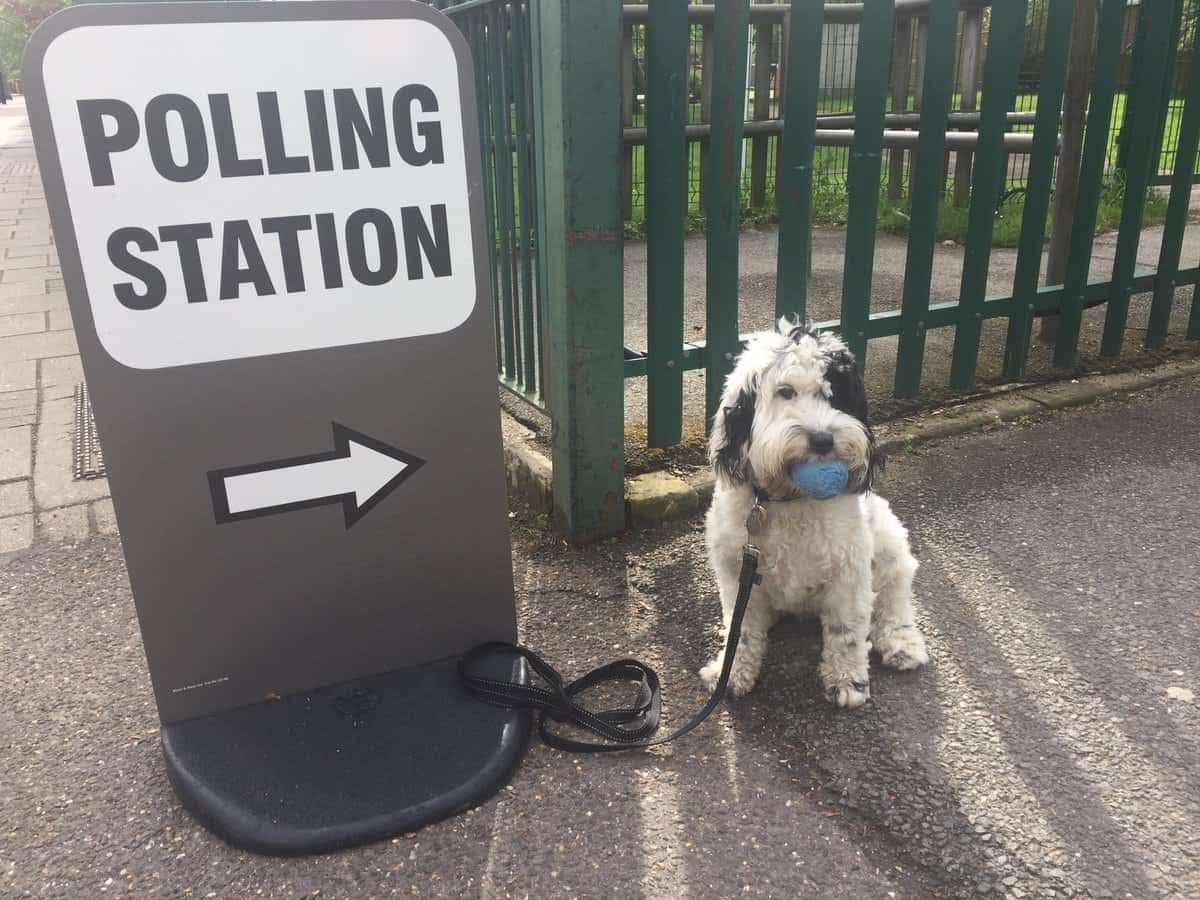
(848, 394)
(795, 328)
(732, 426)
(876, 462)
(848, 391)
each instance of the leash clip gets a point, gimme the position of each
(756, 519)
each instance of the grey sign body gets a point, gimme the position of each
(278, 277)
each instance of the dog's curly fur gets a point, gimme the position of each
(847, 558)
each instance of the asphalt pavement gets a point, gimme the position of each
(1049, 750)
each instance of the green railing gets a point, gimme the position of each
(498, 32)
(552, 69)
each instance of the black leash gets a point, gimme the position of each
(626, 728)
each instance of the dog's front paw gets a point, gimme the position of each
(846, 682)
(741, 678)
(848, 694)
(901, 647)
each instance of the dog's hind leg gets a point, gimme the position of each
(894, 633)
(752, 647)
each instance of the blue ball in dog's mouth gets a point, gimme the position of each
(821, 479)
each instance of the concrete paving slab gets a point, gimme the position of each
(18, 375)
(68, 523)
(15, 498)
(61, 371)
(35, 331)
(27, 303)
(23, 403)
(16, 446)
(60, 376)
(39, 273)
(38, 346)
(23, 323)
(17, 418)
(104, 517)
(34, 261)
(32, 250)
(16, 533)
(10, 238)
(19, 289)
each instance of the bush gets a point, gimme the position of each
(18, 19)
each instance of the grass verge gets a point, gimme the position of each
(830, 207)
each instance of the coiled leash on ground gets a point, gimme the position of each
(625, 728)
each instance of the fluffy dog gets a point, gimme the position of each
(796, 396)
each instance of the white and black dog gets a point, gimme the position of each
(796, 396)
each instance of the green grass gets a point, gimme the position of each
(831, 204)
(1006, 230)
(829, 164)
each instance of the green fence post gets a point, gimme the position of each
(862, 175)
(1091, 176)
(505, 193)
(538, 165)
(1177, 210)
(793, 188)
(928, 183)
(666, 180)
(759, 144)
(1168, 87)
(1150, 95)
(525, 195)
(1001, 69)
(723, 196)
(1037, 187)
(478, 38)
(578, 117)
(1136, 61)
(1193, 326)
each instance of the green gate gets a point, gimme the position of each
(559, 126)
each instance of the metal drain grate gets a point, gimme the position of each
(89, 458)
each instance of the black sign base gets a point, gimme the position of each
(345, 764)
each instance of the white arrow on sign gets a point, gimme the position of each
(359, 473)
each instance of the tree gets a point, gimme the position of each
(1191, 12)
(18, 19)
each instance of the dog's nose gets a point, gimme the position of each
(820, 441)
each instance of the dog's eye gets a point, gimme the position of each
(786, 392)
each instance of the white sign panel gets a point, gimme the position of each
(261, 194)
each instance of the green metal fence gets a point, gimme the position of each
(916, 317)
(556, 133)
(499, 34)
